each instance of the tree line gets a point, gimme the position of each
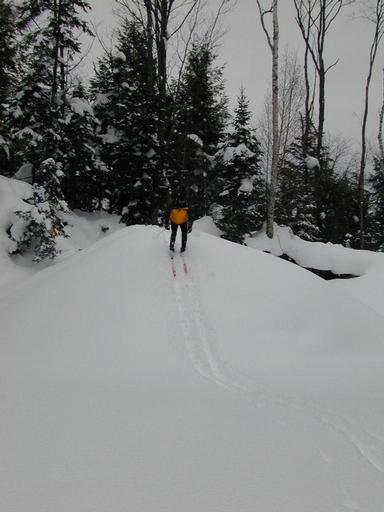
(135, 134)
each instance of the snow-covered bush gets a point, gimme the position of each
(40, 223)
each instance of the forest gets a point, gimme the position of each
(154, 120)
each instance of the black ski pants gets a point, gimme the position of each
(184, 233)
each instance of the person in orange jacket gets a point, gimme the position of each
(179, 216)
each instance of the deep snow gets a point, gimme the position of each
(247, 384)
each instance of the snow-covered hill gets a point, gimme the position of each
(246, 384)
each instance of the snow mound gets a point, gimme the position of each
(368, 266)
(336, 258)
(84, 229)
(245, 383)
(206, 225)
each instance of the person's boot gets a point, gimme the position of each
(183, 248)
(172, 247)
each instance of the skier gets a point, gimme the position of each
(179, 216)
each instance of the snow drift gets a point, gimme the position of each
(246, 384)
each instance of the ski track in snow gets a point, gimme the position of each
(199, 341)
(204, 357)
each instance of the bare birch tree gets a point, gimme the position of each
(374, 12)
(315, 18)
(291, 94)
(272, 35)
(380, 132)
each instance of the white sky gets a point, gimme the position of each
(246, 54)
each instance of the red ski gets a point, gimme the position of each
(173, 268)
(184, 265)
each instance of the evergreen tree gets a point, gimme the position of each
(86, 174)
(377, 215)
(124, 106)
(315, 201)
(296, 195)
(337, 211)
(201, 116)
(41, 222)
(241, 201)
(49, 46)
(7, 48)
(7, 75)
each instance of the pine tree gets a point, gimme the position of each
(336, 209)
(124, 106)
(344, 225)
(201, 116)
(40, 223)
(7, 76)
(49, 46)
(314, 200)
(86, 174)
(377, 184)
(241, 201)
(7, 49)
(296, 195)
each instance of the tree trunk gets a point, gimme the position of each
(150, 60)
(307, 119)
(162, 40)
(62, 81)
(379, 31)
(275, 123)
(321, 73)
(380, 134)
(161, 29)
(363, 159)
(57, 14)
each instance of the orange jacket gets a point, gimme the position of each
(179, 215)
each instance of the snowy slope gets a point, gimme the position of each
(245, 385)
(368, 265)
(84, 230)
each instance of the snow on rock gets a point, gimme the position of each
(336, 258)
(246, 384)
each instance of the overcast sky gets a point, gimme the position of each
(246, 54)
